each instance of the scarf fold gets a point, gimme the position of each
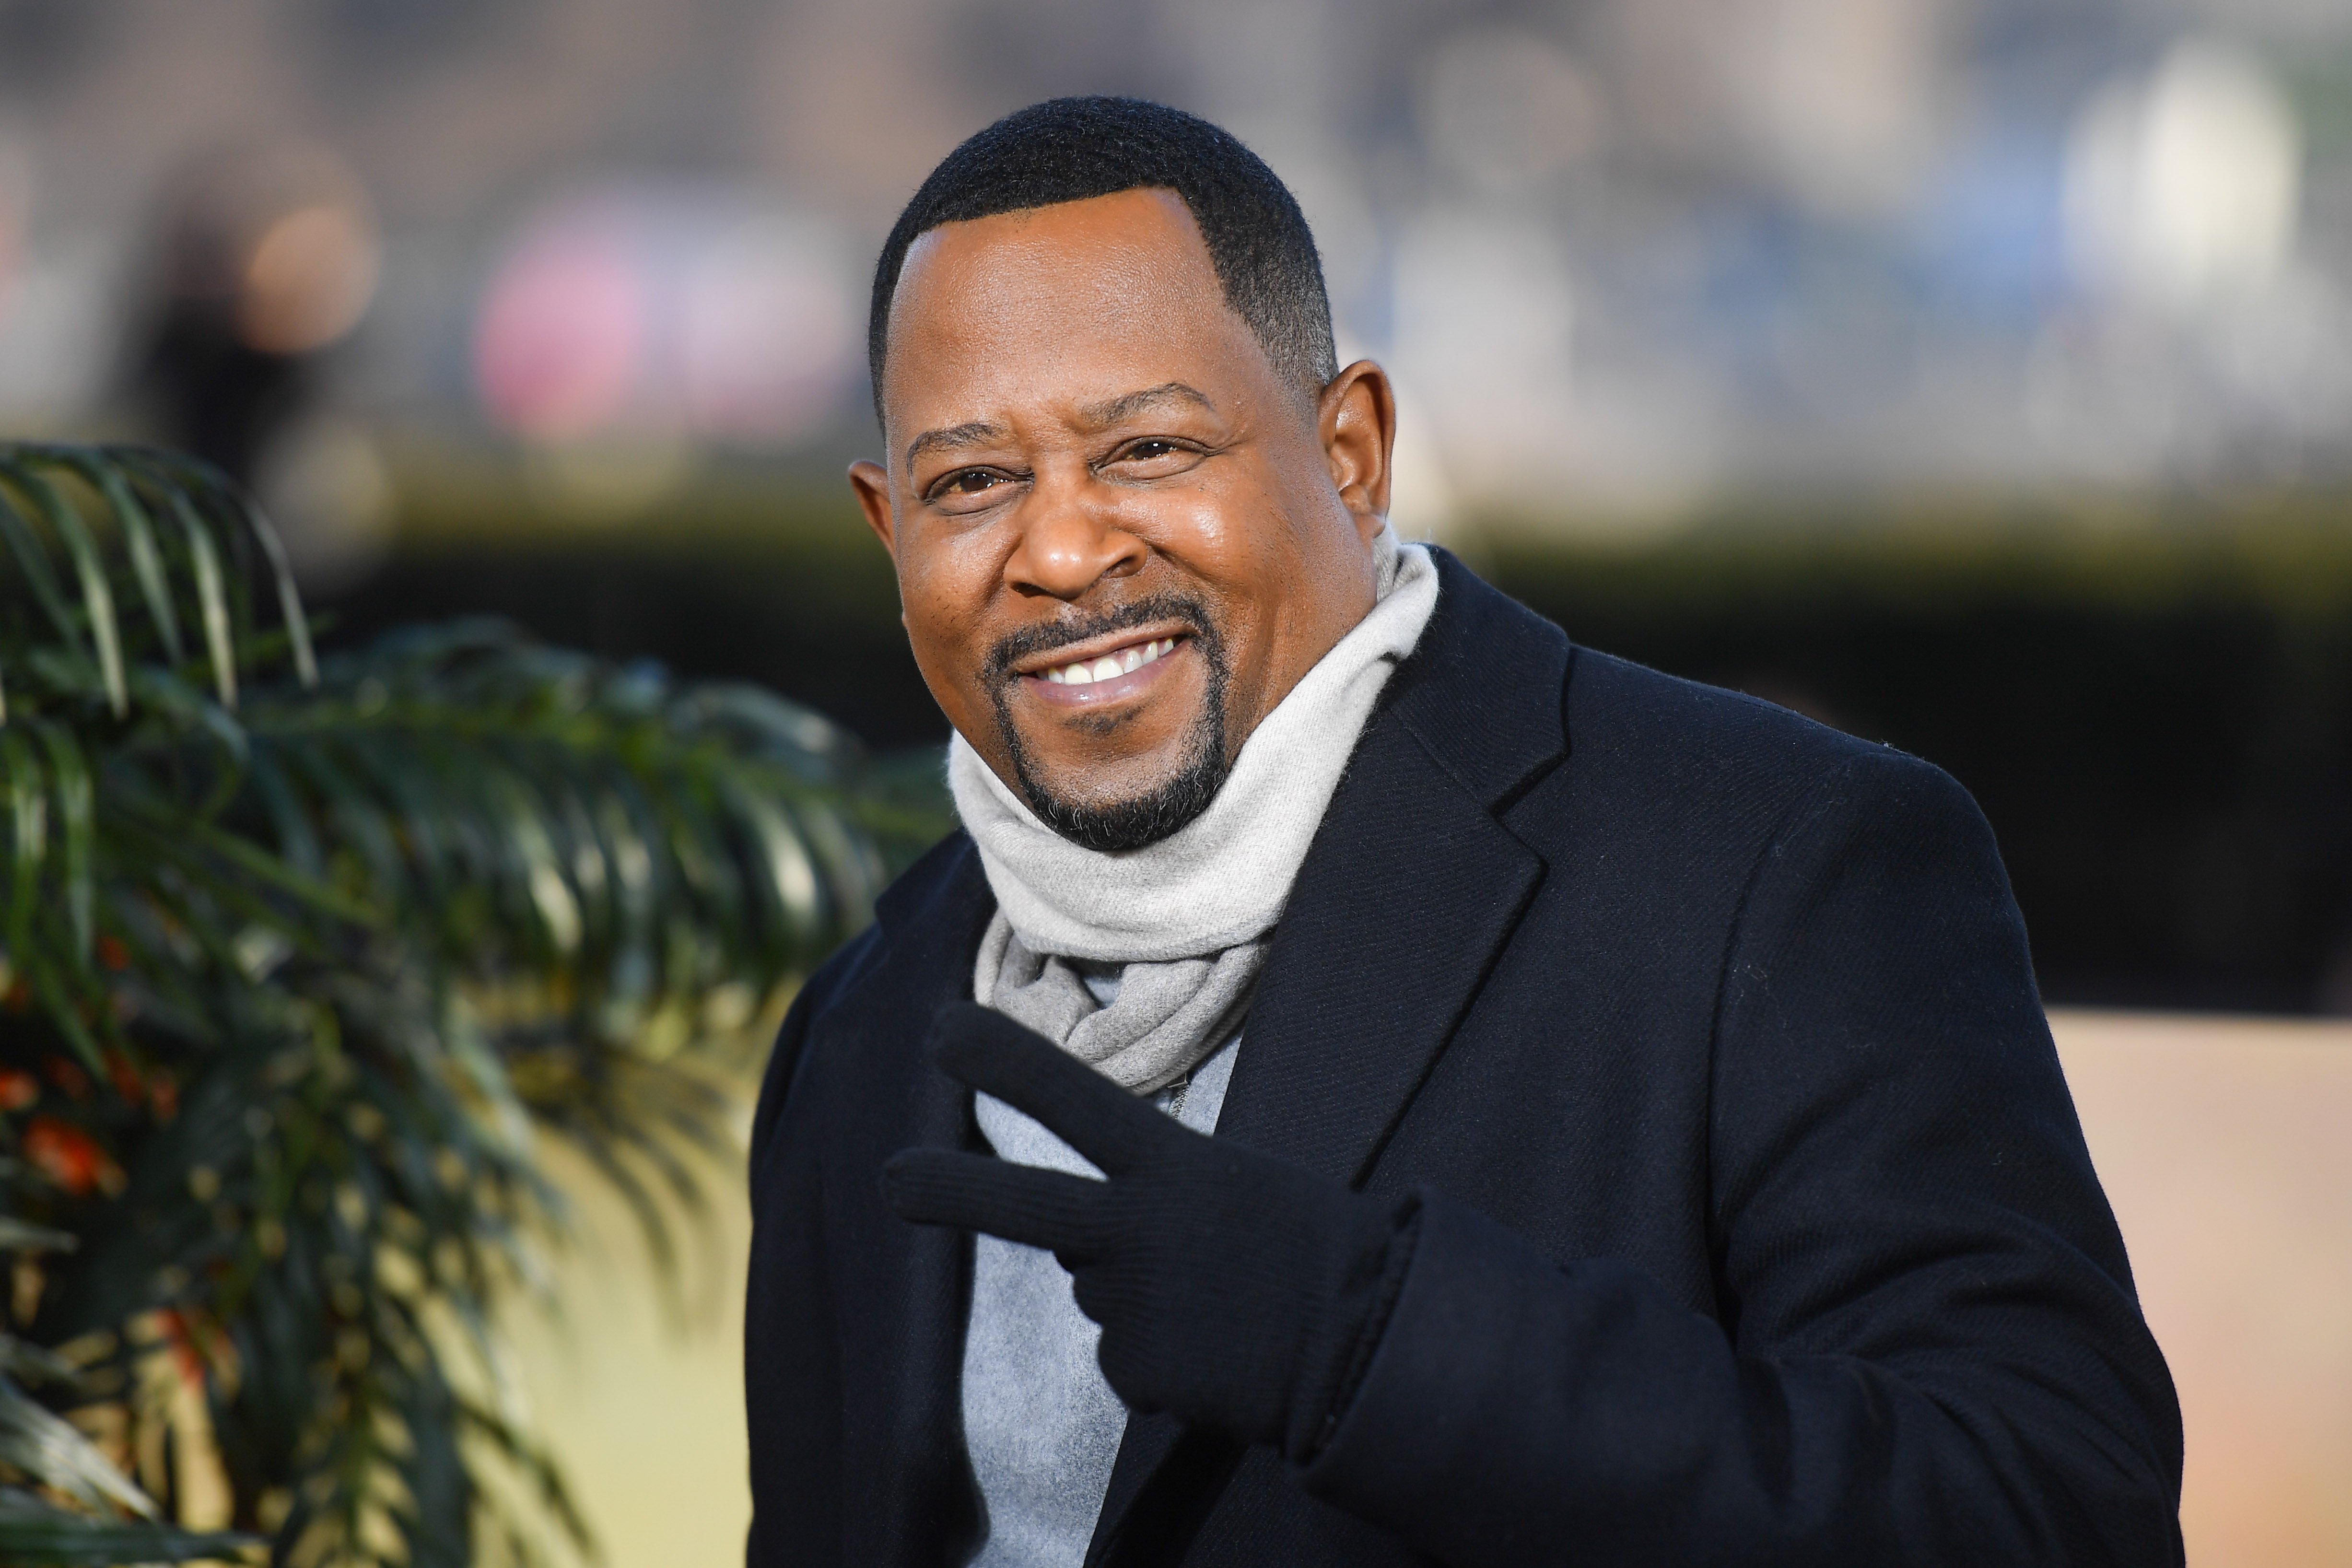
(1188, 917)
(1160, 1025)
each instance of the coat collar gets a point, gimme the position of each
(1410, 889)
(1486, 690)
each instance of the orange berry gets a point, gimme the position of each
(64, 1153)
(126, 1079)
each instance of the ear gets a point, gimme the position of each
(1356, 418)
(871, 484)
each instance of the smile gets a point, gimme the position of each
(1118, 662)
(1119, 672)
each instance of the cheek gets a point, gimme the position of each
(944, 592)
(1232, 544)
(1226, 533)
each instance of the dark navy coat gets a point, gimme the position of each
(1758, 1226)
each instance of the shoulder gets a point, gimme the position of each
(1625, 715)
(1788, 836)
(938, 883)
(1498, 693)
(1580, 749)
(930, 905)
(1665, 745)
(936, 893)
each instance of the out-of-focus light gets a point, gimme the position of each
(639, 314)
(2184, 185)
(1841, 106)
(1506, 107)
(765, 333)
(326, 487)
(1844, 98)
(280, 240)
(308, 279)
(59, 315)
(1420, 500)
(15, 200)
(561, 338)
(1483, 319)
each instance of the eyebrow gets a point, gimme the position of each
(1135, 402)
(980, 432)
(971, 433)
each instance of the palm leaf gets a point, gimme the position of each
(89, 570)
(326, 937)
(100, 1516)
(36, 1442)
(40, 1535)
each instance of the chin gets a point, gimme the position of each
(1118, 824)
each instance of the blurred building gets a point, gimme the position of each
(1620, 253)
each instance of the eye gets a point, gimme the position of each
(1154, 456)
(965, 482)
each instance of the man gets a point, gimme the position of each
(1373, 1083)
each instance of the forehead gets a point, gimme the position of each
(1081, 301)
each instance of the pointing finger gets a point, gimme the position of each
(983, 1049)
(1051, 1209)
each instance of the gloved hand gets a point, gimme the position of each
(1234, 1290)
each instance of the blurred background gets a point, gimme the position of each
(1976, 375)
(1973, 374)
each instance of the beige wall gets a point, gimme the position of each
(2226, 1146)
(644, 1403)
(2227, 1151)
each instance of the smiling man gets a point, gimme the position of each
(1372, 1083)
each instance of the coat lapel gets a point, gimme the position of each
(1408, 893)
(1380, 950)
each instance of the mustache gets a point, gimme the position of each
(1030, 641)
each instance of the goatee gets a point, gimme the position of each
(1112, 827)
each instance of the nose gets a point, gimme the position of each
(1069, 542)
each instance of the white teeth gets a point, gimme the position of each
(1086, 672)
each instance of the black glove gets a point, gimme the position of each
(1234, 1290)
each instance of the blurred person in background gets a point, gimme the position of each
(266, 260)
(1372, 1083)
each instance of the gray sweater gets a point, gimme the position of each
(1042, 1426)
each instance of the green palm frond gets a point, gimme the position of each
(91, 1512)
(38, 1535)
(298, 953)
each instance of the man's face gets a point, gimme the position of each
(1122, 536)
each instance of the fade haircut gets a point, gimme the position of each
(1072, 149)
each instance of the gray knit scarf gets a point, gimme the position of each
(1185, 922)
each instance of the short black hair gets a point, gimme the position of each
(1071, 148)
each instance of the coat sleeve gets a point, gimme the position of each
(792, 1399)
(1929, 1351)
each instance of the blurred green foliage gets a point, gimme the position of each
(301, 954)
